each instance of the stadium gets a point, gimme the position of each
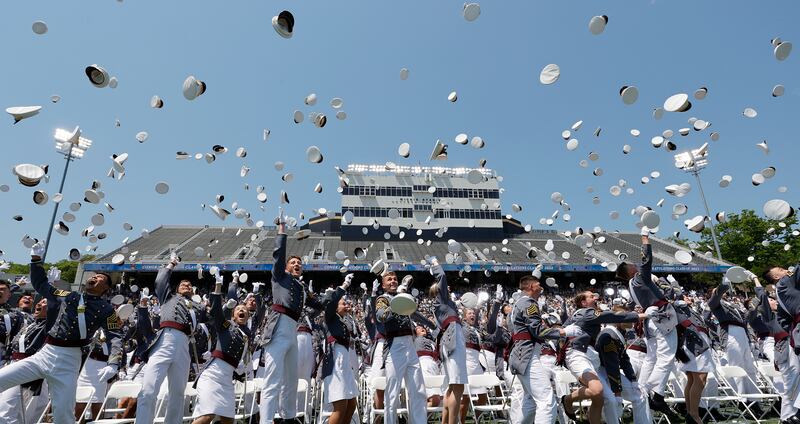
(403, 216)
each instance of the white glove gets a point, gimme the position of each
(572, 330)
(218, 283)
(499, 294)
(726, 281)
(53, 274)
(375, 285)
(436, 269)
(206, 356)
(347, 279)
(173, 258)
(214, 270)
(750, 275)
(108, 372)
(257, 287)
(37, 249)
(651, 311)
(402, 288)
(645, 231)
(230, 304)
(311, 286)
(281, 218)
(4, 266)
(538, 272)
(235, 276)
(22, 281)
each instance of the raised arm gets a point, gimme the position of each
(716, 295)
(331, 303)
(420, 319)
(162, 283)
(491, 325)
(608, 317)
(39, 280)
(763, 302)
(279, 256)
(216, 318)
(383, 311)
(646, 267)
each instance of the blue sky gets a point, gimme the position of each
(355, 50)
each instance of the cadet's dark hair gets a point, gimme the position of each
(580, 297)
(767, 272)
(293, 257)
(108, 277)
(622, 271)
(5, 283)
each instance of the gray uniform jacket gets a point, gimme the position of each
(788, 291)
(726, 313)
(175, 311)
(289, 295)
(526, 322)
(691, 324)
(337, 330)
(396, 325)
(777, 331)
(590, 322)
(63, 316)
(446, 313)
(232, 339)
(645, 292)
(12, 321)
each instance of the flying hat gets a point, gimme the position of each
(778, 209)
(284, 197)
(97, 75)
(162, 187)
(29, 175)
(782, 50)
(220, 212)
(314, 155)
(683, 256)
(21, 112)
(193, 87)
(98, 219)
(471, 11)
(678, 103)
(318, 188)
(778, 90)
(311, 99)
(477, 142)
(725, 181)
(156, 102)
(61, 228)
(439, 151)
(701, 93)
(39, 27)
(404, 74)
(404, 150)
(696, 224)
(452, 97)
(629, 94)
(549, 74)
(598, 24)
(284, 24)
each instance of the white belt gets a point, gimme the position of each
(21, 342)
(7, 320)
(82, 318)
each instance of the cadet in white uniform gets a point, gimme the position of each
(340, 383)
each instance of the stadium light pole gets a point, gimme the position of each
(692, 162)
(73, 147)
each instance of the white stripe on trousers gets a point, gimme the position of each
(280, 372)
(402, 363)
(169, 359)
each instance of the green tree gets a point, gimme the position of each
(746, 234)
(68, 268)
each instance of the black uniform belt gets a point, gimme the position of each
(734, 323)
(430, 353)
(176, 325)
(66, 343)
(341, 340)
(401, 333)
(473, 346)
(286, 311)
(98, 357)
(225, 357)
(304, 329)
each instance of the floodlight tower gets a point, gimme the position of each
(693, 161)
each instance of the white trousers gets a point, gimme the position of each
(660, 359)
(59, 366)
(612, 410)
(403, 364)
(738, 353)
(637, 359)
(280, 372)
(539, 406)
(90, 377)
(790, 390)
(305, 368)
(430, 368)
(487, 359)
(516, 397)
(169, 359)
(15, 400)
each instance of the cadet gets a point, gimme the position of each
(787, 289)
(339, 379)
(279, 337)
(659, 329)
(527, 340)
(168, 353)
(13, 401)
(452, 345)
(74, 318)
(215, 384)
(399, 357)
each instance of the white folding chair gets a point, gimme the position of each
(190, 396)
(434, 382)
(118, 390)
(82, 395)
(488, 382)
(379, 383)
(730, 372)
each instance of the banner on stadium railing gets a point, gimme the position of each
(310, 267)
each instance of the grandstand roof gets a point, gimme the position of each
(250, 249)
